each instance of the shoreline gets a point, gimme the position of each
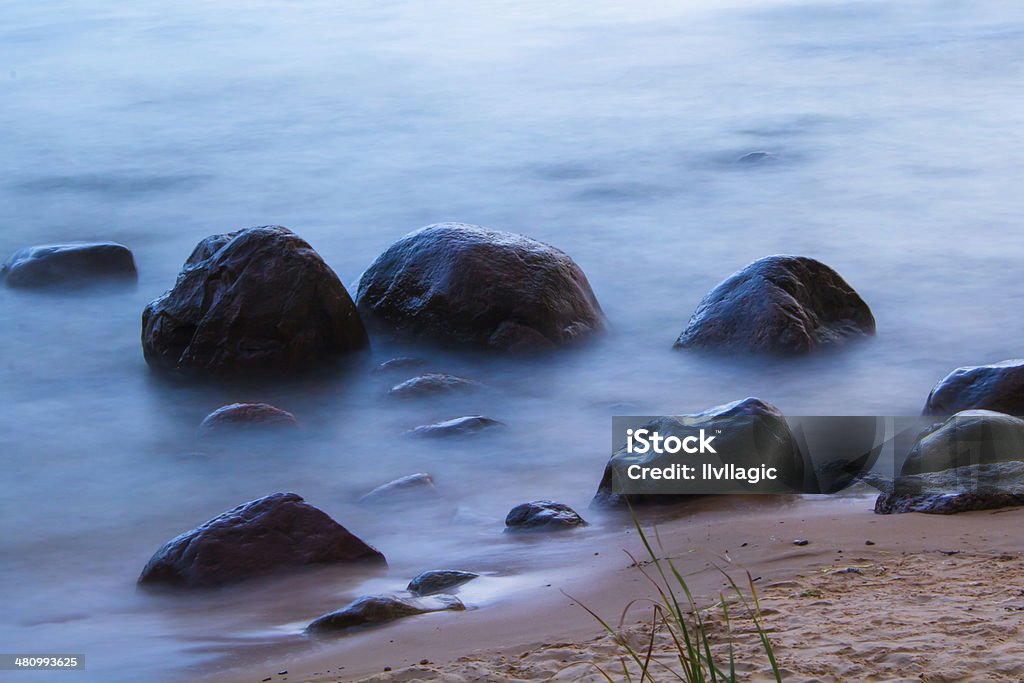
(733, 534)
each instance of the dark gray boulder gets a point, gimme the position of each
(753, 432)
(438, 581)
(778, 305)
(239, 418)
(967, 438)
(961, 489)
(379, 609)
(459, 426)
(78, 264)
(271, 533)
(999, 387)
(461, 284)
(432, 384)
(413, 486)
(253, 300)
(542, 515)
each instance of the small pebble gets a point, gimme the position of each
(424, 662)
(869, 542)
(387, 668)
(281, 673)
(801, 541)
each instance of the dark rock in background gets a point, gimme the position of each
(779, 305)
(239, 418)
(998, 387)
(461, 284)
(55, 265)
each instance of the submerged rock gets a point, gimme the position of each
(246, 418)
(758, 157)
(999, 387)
(781, 305)
(459, 426)
(404, 488)
(271, 533)
(400, 363)
(463, 284)
(432, 384)
(379, 609)
(967, 438)
(438, 581)
(973, 487)
(251, 300)
(742, 423)
(69, 264)
(542, 515)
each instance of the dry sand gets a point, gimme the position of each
(932, 598)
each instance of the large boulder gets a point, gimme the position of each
(999, 387)
(779, 305)
(69, 264)
(379, 609)
(753, 432)
(277, 531)
(970, 437)
(984, 486)
(463, 284)
(251, 300)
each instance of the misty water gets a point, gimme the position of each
(612, 132)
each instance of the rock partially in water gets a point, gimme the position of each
(542, 515)
(402, 489)
(459, 426)
(438, 581)
(742, 423)
(461, 284)
(379, 609)
(758, 157)
(779, 305)
(967, 438)
(432, 384)
(252, 300)
(271, 533)
(246, 418)
(399, 363)
(973, 487)
(998, 387)
(55, 265)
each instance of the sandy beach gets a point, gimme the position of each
(869, 597)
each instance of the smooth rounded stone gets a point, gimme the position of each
(758, 157)
(252, 300)
(404, 488)
(542, 515)
(459, 426)
(246, 417)
(400, 363)
(263, 535)
(378, 609)
(438, 581)
(777, 447)
(432, 384)
(779, 305)
(467, 285)
(967, 438)
(999, 387)
(985, 486)
(62, 264)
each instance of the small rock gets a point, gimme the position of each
(848, 570)
(801, 541)
(759, 157)
(459, 426)
(277, 531)
(399, 363)
(869, 542)
(432, 384)
(403, 488)
(542, 515)
(378, 609)
(69, 264)
(438, 581)
(246, 417)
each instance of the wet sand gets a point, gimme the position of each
(931, 598)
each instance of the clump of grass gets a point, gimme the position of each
(675, 611)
